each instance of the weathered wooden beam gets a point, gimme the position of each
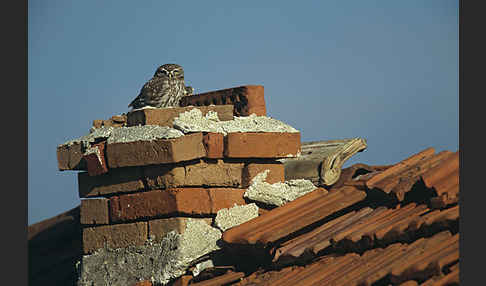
(321, 161)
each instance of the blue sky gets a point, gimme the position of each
(384, 70)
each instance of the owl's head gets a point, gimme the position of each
(171, 71)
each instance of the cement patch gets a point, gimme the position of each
(142, 133)
(231, 217)
(279, 193)
(158, 262)
(125, 134)
(96, 134)
(194, 121)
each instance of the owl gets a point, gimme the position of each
(164, 89)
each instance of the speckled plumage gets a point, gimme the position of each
(164, 89)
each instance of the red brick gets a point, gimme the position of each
(97, 123)
(165, 116)
(95, 161)
(141, 205)
(120, 180)
(70, 157)
(262, 145)
(159, 228)
(114, 121)
(111, 123)
(187, 201)
(246, 99)
(161, 151)
(276, 174)
(214, 145)
(219, 198)
(114, 236)
(119, 118)
(94, 211)
(208, 173)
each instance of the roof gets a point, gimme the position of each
(395, 224)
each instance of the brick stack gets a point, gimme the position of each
(134, 190)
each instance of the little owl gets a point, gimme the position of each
(164, 89)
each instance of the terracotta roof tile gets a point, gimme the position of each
(371, 225)
(406, 174)
(373, 267)
(50, 229)
(350, 269)
(399, 220)
(265, 278)
(298, 276)
(444, 179)
(293, 216)
(454, 267)
(438, 171)
(315, 240)
(54, 246)
(450, 279)
(228, 277)
(437, 174)
(411, 175)
(441, 215)
(182, 281)
(428, 256)
(409, 283)
(353, 175)
(396, 169)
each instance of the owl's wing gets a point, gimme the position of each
(150, 94)
(139, 101)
